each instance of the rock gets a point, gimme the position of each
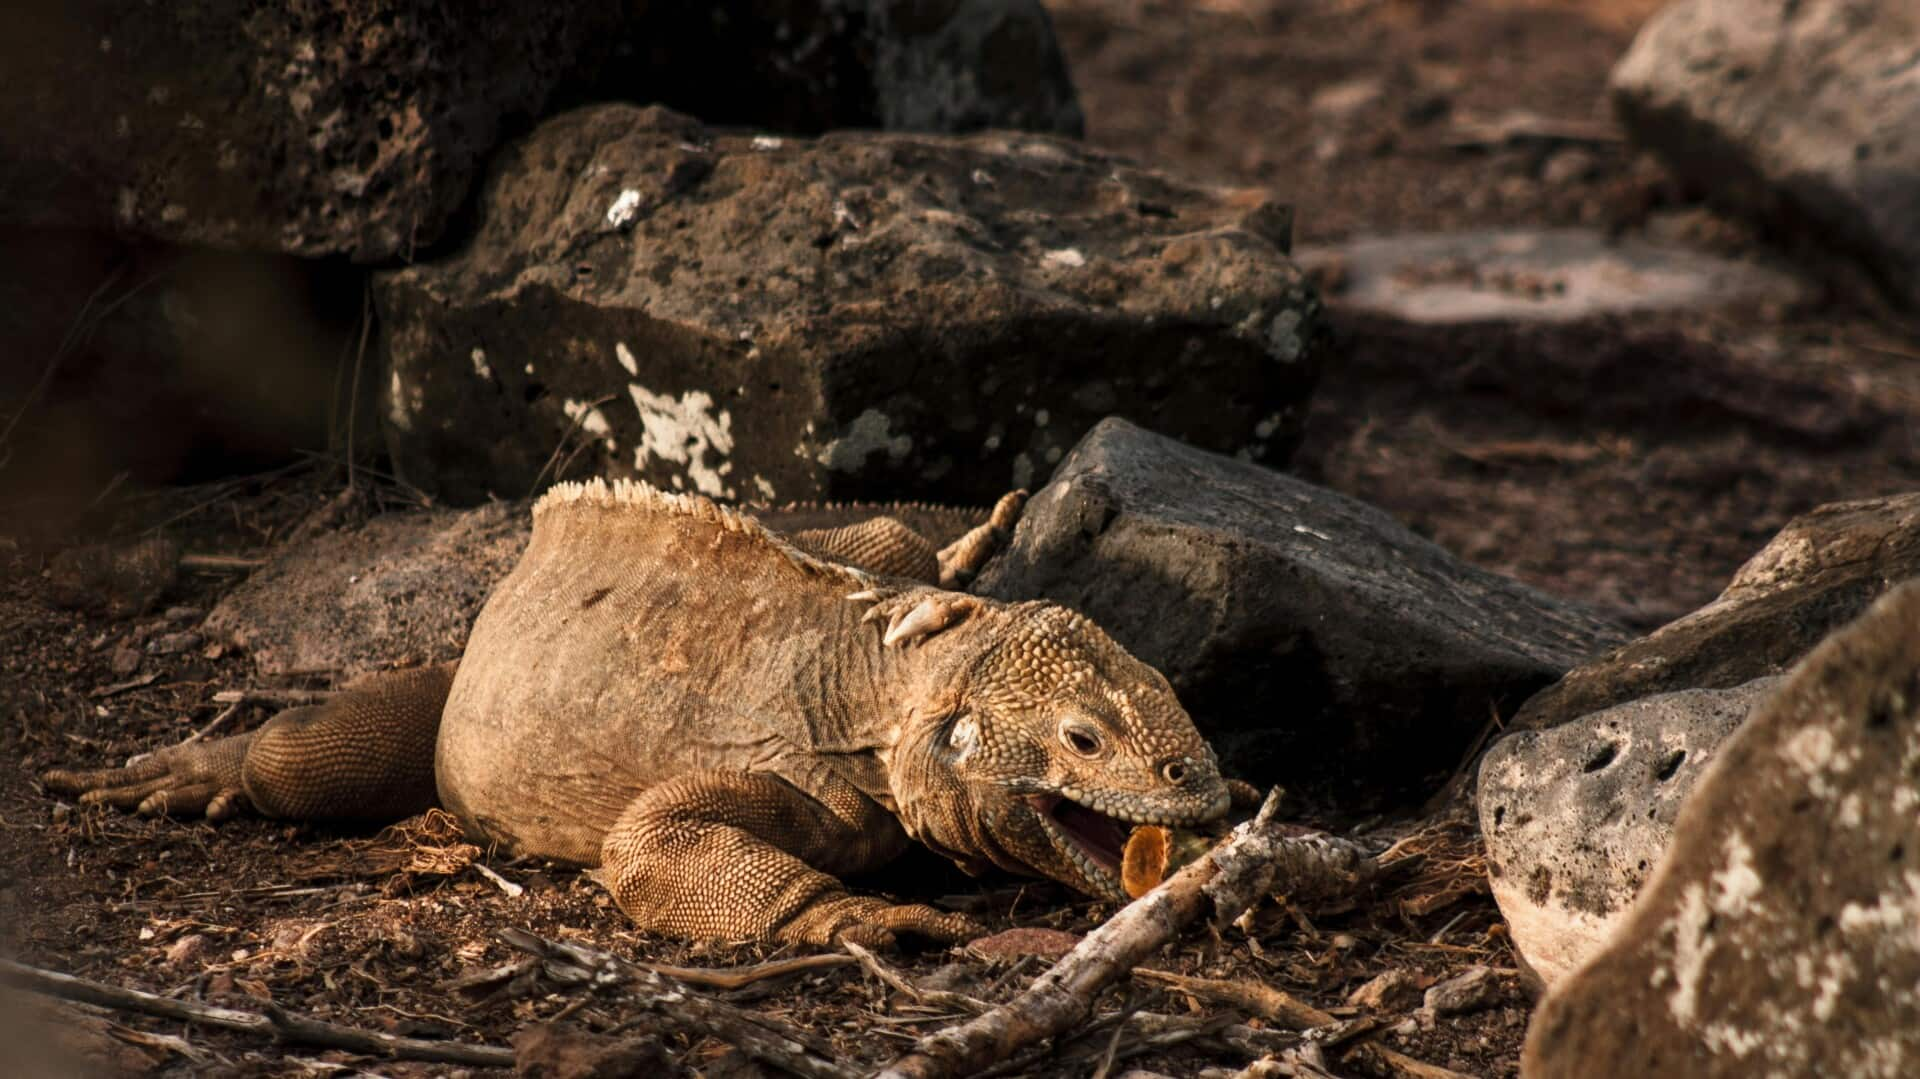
(786, 319)
(1799, 113)
(1820, 571)
(358, 129)
(399, 591)
(125, 660)
(1392, 991)
(1778, 936)
(187, 949)
(1315, 641)
(1468, 991)
(1576, 817)
(1539, 276)
(172, 644)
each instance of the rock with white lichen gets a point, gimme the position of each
(858, 316)
(358, 128)
(1317, 642)
(1781, 933)
(1576, 817)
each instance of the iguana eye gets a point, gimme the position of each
(1081, 738)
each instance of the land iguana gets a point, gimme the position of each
(725, 721)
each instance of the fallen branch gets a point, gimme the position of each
(741, 977)
(1251, 997)
(1233, 877)
(762, 1038)
(275, 1023)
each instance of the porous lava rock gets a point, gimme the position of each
(1316, 641)
(1781, 933)
(859, 316)
(1800, 113)
(1576, 817)
(1816, 574)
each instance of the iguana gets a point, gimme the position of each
(724, 721)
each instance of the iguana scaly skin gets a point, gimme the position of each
(725, 723)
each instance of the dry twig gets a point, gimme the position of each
(275, 1023)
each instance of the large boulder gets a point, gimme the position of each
(1781, 934)
(1818, 573)
(1576, 817)
(1803, 113)
(329, 127)
(1315, 640)
(756, 317)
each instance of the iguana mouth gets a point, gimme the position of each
(1093, 840)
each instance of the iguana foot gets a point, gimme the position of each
(913, 614)
(182, 781)
(876, 923)
(963, 559)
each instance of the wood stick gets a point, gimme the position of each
(275, 1023)
(741, 977)
(1233, 876)
(1251, 997)
(763, 1038)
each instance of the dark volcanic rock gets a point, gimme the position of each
(1315, 640)
(1576, 817)
(1781, 934)
(841, 318)
(1802, 113)
(1821, 571)
(401, 590)
(327, 127)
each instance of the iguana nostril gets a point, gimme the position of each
(1175, 771)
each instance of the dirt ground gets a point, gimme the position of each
(1633, 469)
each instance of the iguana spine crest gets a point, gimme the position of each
(637, 495)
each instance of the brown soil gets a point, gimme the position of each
(1637, 483)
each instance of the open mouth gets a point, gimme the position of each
(1095, 841)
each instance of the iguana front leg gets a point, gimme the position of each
(744, 855)
(365, 754)
(963, 559)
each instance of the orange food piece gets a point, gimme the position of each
(1144, 865)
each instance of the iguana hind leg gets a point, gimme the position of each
(879, 545)
(365, 754)
(747, 855)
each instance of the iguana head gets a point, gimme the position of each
(1042, 742)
